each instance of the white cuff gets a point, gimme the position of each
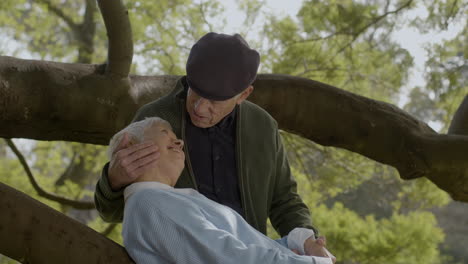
(297, 238)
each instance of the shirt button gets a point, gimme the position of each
(217, 157)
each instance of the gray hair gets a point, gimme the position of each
(135, 132)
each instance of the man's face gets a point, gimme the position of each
(170, 148)
(207, 113)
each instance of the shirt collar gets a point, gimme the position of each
(228, 120)
(138, 186)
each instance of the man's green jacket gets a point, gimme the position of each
(266, 185)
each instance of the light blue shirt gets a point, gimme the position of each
(166, 225)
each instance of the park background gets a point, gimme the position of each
(409, 53)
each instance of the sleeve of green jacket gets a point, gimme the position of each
(109, 203)
(287, 211)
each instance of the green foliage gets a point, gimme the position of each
(6, 260)
(393, 240)
(423, 107)
(363, 239)
(100, 226)
(448, 73)
(362, 232)
(328, 169)
(13, 174)
(441, 13)
(20, 20)
(347, 44)
(164, 33)
(420, 194)
(343, 43)
(251, 9)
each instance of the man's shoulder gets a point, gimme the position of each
(166, 107)
(162, 103)
(167, 101)
(255, 113)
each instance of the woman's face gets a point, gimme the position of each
(171, 151)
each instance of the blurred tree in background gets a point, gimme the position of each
(367, 213)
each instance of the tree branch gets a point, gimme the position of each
(119, 32)
(320, 112)
(32, 232)
(201, 7)
(66, 173)
(450, 15)
(41, 192)
(85, 33)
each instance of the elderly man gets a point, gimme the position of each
(234, 153)
(167, 225)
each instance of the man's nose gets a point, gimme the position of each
(201, 105)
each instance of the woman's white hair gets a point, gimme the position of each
(135, 131)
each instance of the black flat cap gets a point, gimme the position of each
(221, 66)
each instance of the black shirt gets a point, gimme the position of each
(213, 158)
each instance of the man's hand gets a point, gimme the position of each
(316, 247)
(130, 162)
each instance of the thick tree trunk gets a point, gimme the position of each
(76, 102)
(32, 232)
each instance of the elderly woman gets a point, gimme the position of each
(167, 225)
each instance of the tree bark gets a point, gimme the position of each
(32, 232)
(58, 101)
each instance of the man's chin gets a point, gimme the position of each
(201, 124)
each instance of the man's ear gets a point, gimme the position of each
(244, 94)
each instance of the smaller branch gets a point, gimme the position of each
(387, 5)
(60, 14)
(119, 33)
(61, 180)
(41, 192)
(251, 18)
(321, 38)
(202, 12)
(358, 33)
(450, 15)
(108, 229)
(164, 31)
(85, 33)
(308, 70)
